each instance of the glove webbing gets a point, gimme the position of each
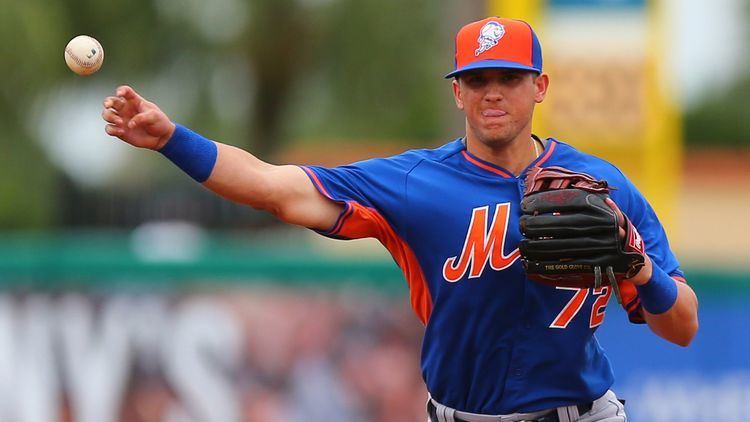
(612, 281)
(553, 178)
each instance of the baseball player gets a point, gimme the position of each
(498, 346)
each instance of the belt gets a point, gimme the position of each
(546, 416)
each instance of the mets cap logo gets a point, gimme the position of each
(489, 36)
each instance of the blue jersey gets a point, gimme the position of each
(495, 342)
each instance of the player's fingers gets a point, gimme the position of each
(143, 119)
(116, 103)
(110, 116)
(113, 130)
(127, 93)
(616, 209)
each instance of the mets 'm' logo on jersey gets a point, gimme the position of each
(482, 245)
(489, 36)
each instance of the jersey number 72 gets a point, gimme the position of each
(575, 304)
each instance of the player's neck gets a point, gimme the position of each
(514, 155)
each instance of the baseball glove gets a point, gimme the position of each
(571, 235)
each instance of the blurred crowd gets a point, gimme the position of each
(304, 355)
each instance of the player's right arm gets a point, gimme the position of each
(237, 175)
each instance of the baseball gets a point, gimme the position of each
(84, 55)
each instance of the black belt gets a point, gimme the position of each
(551, 417)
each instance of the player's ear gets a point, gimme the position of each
(457, 94)
(541, 83)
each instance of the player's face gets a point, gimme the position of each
(498, 103)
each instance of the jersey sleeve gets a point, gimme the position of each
(635, 206)
(373, 192)
(376, 205)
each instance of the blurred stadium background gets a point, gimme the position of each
(132, 294)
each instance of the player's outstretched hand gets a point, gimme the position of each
(136, 121)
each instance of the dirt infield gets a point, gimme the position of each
(713, 223)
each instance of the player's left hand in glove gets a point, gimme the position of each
(574, 233)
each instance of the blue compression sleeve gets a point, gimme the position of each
(191, 152)
(659, 293)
